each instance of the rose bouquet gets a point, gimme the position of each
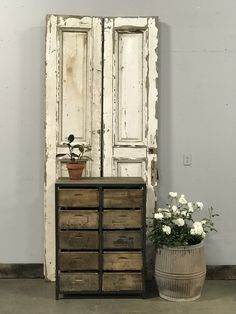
(175, 225)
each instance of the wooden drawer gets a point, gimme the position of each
(122, 282)
(78, 261)
(78, 240)
(78, 219)
(122, 261)
(78, 198)
(122, 198)
(122, 239)
(122, 219)
(72, 282)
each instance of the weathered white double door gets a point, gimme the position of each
(101, 86)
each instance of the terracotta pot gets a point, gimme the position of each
(75, 169)
(180, 272)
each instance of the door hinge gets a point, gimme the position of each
(152, 150)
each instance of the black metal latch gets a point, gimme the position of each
(152, 150)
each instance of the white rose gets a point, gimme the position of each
(182, 199)
(179, 222)
(198, 228)
(160, 210)
(203, 222)
(174, 208)
(197, 224)
(199, 205)
(184, 212)
(190, 207)
(173, 194)
(198, 231)
(166, 229)
(192, 231)
(158, 216)
(167, 215)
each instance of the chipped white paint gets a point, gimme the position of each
(130, 100)
(152, 90)
(50, 161)
(74, 96)
(82, 22)
(130, 22)
(123, 167)
(129, 91)
(73, 104)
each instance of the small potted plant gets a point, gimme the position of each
(180, 266)
(77, 162)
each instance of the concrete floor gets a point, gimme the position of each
(36, 296)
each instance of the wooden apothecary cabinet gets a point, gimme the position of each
(100, 236)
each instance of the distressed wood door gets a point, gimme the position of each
(73, 105)
(130, 97)
(74, 97)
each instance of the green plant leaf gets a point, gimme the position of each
(80, 147)
(71, 138)
(74, 155)
(87, 158)
(61, 155)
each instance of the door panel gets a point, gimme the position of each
(125, 167)
(73, 104)
(129, 92)
(74, 97)
(130, 100)
(73, 107)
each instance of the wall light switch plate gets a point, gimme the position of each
(187, 159)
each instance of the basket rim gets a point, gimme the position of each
(182, 247)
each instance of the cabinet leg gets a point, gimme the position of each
(57, 295)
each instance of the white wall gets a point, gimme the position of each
(197, 112)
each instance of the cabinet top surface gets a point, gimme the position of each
(103, 181)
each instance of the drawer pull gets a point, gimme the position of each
(78, 280)
(77, 240)
(82, 217)
(78, 219)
